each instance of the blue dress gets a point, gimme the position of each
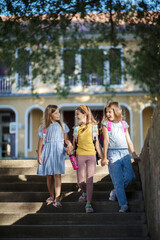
(53, 153)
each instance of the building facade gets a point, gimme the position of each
(21, 112)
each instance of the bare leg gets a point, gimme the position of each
(57, 179)
(50, 185)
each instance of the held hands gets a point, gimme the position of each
(69, 148)
(135, 157)
(104, 162)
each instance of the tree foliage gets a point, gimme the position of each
(45, 26)
(144, 64)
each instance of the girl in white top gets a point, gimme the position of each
(115, 152)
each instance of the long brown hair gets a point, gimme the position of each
(89, 116)
(115, 106)
(47, 116)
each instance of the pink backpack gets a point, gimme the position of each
(110, 125)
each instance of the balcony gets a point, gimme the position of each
(5, 85)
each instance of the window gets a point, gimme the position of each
(69, 66)
(23, 68)
(115, 66)
(5, 137)
(92, 66)
(5, 82)
(29, 143)
(3, 70)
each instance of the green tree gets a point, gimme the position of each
(47, 26)
(143, 66)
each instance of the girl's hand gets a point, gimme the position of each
(69, 151)
(135, 157)
(39, 160)
(104, 162)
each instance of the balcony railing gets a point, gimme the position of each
(5, 85)
(93, 79)
(89, 80)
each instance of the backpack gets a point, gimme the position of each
(110, 125)
(94, 137)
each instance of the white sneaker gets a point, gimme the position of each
(112, 195)
(124, 208)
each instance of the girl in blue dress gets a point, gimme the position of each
(51, 159)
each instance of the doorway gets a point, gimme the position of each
(7, 139)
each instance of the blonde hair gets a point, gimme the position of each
(47, 116)
(115, 106)
(89, 116)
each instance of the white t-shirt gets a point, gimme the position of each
(117, 136)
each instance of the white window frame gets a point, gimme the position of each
(106, 75)
(29, 144)
(30, 72)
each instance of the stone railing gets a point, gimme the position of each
(150, 175)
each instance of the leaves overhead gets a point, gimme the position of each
(47, 26)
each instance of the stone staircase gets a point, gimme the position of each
(25, 215)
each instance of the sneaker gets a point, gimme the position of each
(83, 198)
(89, 208)
(124, 208)
(112, 196)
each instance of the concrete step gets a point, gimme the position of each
(65, 196)
(71, 218)
(109, 230)
(33, 171)
(67, 178)
(20, 163)
(41, 186)
(25, 215)
(68, 207)
(30, 168)
(25, 163)
(42, 179)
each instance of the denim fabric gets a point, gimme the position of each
(53, 153)
(122, 174)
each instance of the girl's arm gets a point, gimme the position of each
(99, 150)
(66, 139)
(71, 146)
(40, 144)
(131, 147)
(73, 143)
(105, 146)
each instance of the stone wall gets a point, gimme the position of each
(150, 175)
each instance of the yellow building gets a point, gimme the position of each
(21, 112)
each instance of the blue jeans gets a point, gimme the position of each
(122, 174)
